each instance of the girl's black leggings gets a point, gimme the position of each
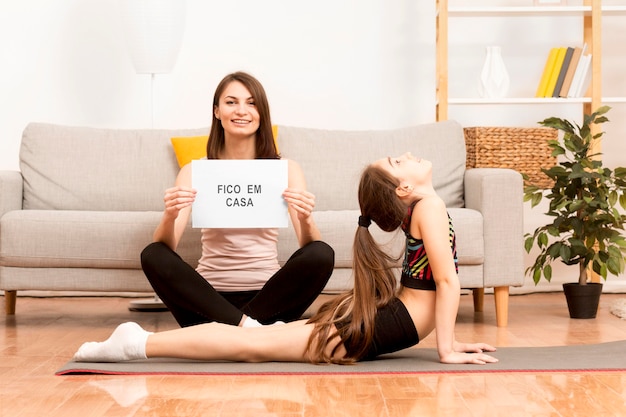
(192, 300)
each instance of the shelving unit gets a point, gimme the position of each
(591, 12)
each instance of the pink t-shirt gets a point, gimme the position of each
(238, 259)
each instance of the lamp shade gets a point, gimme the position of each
(154, 33)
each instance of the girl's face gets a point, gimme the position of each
(237, 111)
(407, 169)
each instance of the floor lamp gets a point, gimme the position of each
(154, 31)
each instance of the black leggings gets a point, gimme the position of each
(192, 300)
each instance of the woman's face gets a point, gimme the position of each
(407, 168)
(237, 111)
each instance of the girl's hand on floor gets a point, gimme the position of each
(472, 358)
(473, 347)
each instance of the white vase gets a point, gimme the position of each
(494, 78)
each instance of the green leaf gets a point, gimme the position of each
(547, 272)
(554, 250)
(622, 201)
(528, 243)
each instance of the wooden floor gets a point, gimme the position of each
(47, 331)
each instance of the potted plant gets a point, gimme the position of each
(587, 226)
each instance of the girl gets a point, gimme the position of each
(376, 317)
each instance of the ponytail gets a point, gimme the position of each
(375, 282)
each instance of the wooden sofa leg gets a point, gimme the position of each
(10, 297)
(501, 295)
(479, 299)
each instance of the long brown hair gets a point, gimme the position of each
(374, 278)
(265, 145)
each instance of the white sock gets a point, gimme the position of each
(250, 322)
(126, 343)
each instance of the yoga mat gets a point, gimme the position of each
(596, 357)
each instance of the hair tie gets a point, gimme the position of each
(364, 221)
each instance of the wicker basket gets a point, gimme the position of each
(522, 149)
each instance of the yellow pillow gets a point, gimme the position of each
(189, 148)
(194, 147)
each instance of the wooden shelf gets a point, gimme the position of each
(591, 13)
(521, 10)
(532, 10)
(610, 100)
(520, 100)
(532, 100)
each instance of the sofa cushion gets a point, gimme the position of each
(83, 239)
(83, 168)
(338, 228)
(332, 160)
(74, 279)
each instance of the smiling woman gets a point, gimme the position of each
(241, 116)
(238, 279)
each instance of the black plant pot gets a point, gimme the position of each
(582, 300)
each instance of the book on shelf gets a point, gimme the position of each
(571, 69)
(562, 71)
(576, 79)
(547, 72)
(554, 75)
(573, 90)
(585, 77)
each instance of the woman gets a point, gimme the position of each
(374, 318)
(238, 279)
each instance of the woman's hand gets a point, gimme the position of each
(177, 198)
(302, 202)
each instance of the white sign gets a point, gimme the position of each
(239, 193)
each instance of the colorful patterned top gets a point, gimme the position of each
(416, 271)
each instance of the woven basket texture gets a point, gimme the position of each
(523, 149)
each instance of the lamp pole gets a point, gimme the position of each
(154, 31)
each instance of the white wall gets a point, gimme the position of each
(354, 64)
(344, 64)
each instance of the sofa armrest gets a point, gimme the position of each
(498, 194)
(11, 191)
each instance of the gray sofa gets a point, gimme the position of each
(86, 201)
